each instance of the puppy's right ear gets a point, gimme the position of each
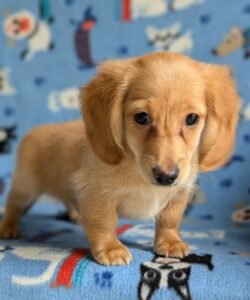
(101, 106)
(223, 105)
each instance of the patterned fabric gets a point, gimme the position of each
(48, 50)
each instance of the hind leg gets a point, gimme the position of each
(73, 212)
(9, 227)
(20, 199)
(71, 206)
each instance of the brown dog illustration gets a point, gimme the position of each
(235, 39)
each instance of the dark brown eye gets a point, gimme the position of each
(191, 119)
(142, 118)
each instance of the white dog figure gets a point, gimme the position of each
(50, 255)
(170, 38)
(5, 87)
(182, 44)
(65, 99)
(3, 249)
(153, 8)
(183, 4)
(170, 273)
(242, 215)
(162, 38)
(23, 24)
(148, 8)
(246, 113)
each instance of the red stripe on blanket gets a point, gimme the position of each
(126, 13)
(65, 273)
(123, 228)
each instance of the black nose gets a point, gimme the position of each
(165, 178)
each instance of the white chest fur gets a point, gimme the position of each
(134, 197)
(143, 203)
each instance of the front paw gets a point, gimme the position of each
(173, 248)
(113, 255)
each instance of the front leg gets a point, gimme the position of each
(99, 219)
(167, 237)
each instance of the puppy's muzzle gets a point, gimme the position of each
(165, 178)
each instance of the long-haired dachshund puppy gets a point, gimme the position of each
(150, 125)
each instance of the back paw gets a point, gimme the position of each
(9, 231)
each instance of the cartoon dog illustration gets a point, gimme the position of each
(170, 38)
(45, 11)
(169, 272)
(4, 249)
(23, 24)
(65, 99)
(246, 113)
(6, 134)
(151, 8)
(242, 215)
(234, 40)
(82, 37)
(68, 259)
(134, 9)
(5, 87)
(50, 255)
(175, 5)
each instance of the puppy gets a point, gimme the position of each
(150, 125)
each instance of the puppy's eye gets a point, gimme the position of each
(142, 118)
(191, 119)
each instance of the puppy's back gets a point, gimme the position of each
(50, 154)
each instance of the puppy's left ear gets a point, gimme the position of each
(223, 105)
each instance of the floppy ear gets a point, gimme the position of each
(223, 105)
(101, 105)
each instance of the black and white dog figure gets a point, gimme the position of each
(24, 25)
(169, 272)
(6, 88)
(6, 134)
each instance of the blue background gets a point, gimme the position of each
(225, 190)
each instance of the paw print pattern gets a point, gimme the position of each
(104, 279)
(226, 183)
(247, 138)
(205, 19)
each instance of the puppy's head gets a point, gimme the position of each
(172, 114)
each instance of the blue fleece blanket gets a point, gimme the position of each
(48, 50)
